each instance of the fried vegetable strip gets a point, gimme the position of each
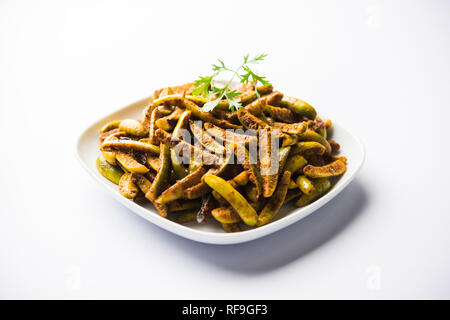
(152, 126)
(305, 185)
(256, 106)
(336, 168)
(292, 185)
(168, 122)
(250, 94)
(127, 188)
(250, 165)
(146, 115)
(129, 146)
(110, 157)
(182, 89)
(155, 115)
(275, 203)
(182, 123)
(234, 198)
(142, 182)
(310, 135)
(195, 109)
(292, 194)
(283, 155)
(252, 193)
(231, 227)
(300, 107)
(268, 174)
(109, 171)
(162, 178)
(240, 180)
(292, 128)
(176, 191)
(187, 216)
(197, 191)
(202, 188)
(166, 137)
(133, 127)
(127, 161)
(308, 148)
(295, 163)
(281, 114)
(153, 162)
(249, 121)
(289, 139)
(110, 126)
(103, 136)
(321, 186)
(226, 215)
(162, 209)
(178, 168)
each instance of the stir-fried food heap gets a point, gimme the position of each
(235, 166)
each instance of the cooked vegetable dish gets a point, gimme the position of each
(237, 164)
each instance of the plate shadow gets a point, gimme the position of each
(284, 246)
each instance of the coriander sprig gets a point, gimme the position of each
(206, 88)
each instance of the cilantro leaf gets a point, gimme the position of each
(205, 85)
(234, 104)
(210, 105)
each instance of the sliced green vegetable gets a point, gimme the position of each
(336, 168)
(226, 215)
(281, 114)
(231, 227)
(187, 216)
(109, 171)
(142, 182)
(162, 178)
(305, 185)
(300, 107)
(249, 121)
(128, 146)
(127, 188)
(234, 198)
(310, 135)
(321, 186)
(308, 148)
(133, 127)
(128, 162)
(110, 126)
(274, 204)
(110, 157)
(295, 163)
(292, 128)
(176, 191)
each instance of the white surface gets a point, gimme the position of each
(212, 232)
(380, 68)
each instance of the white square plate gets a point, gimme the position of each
(211, 231)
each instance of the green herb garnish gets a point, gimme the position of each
(206, 88)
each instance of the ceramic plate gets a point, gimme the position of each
(211, 231)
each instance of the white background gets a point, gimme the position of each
(380, 68)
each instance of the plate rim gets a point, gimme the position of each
(211, 237)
